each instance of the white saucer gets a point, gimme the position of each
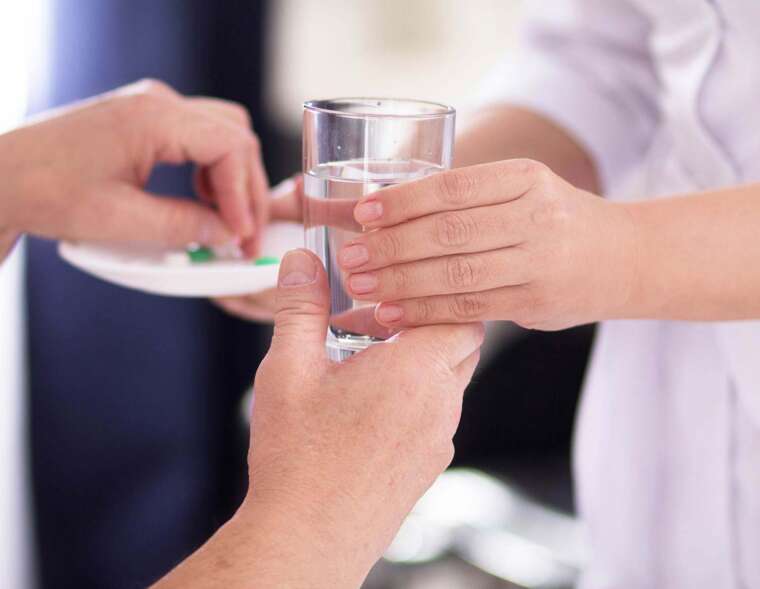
(145, 268)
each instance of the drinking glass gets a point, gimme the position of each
(352, 147)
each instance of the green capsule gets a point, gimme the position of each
(266, 261)
(200, 254)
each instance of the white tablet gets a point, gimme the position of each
(174, 272)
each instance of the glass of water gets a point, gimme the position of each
(352, 147)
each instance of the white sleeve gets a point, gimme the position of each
(586, 65)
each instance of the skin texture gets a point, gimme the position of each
(79, 172)
(513, 241)
(698, 256)
(504, 240)
(338, 456)
(530, 242)
(491, 134)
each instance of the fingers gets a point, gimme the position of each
(334, 212)
(259, 184)
(229, 183)
(302, 306)
(463, 188)
(361, 321)
(447, 345)
(287, 200)
(232, 112)
(257, 188)
(216, 136)
(459, 273)
(134, 215)
(454, 232)
(510, 303)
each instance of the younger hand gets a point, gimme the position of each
(508, 240)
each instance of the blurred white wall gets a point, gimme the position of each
(431, 49)
(23, 28)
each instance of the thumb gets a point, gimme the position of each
(302, 308)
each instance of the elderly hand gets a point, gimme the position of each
(508, 240)
(339, 452)
(79, 173)
(286, 203)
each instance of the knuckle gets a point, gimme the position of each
(400, 278)
(462, 271)
(155, 87)
(388, 245)
(532, 312)
(241, 113)
(144, 102)
(455, 187)
(467, 306)
(424, 311)
(550, 212)
(533, 168)
(290, 314)
(454, 229)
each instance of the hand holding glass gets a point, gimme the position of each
(352, 147)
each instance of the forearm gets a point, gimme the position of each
(698, 257)
(8, 233)
(262, 548)
(504, 132)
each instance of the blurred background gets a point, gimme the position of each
(134, 448)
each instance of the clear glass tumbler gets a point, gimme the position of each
(352, 147)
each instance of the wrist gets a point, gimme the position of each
(635, 264)
(9, 233)
(9, 185)
(19, 186)
(621, 241)
(305, 547)
(263, 548)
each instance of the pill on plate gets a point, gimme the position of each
(266, 261)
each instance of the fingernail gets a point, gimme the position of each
(297, 269)
(389, 313)
(362, 283)
(368, 211)
(353, 255)
(215, 232)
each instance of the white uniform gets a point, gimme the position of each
(666, 96)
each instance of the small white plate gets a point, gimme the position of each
(145, 268)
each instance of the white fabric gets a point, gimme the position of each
(16, 529)
(666, 97)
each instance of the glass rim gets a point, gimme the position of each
(328, 106)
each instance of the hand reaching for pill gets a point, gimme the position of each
(286, 204)
(111, 144)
